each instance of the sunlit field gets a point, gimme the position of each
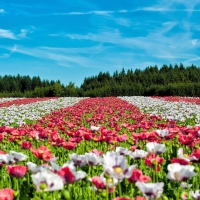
(112, 148)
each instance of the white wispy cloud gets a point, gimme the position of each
(11, 51)
(171, 6)
(155, 8)
(165, 9)
(164, 6)
(7, 34)
(23, 33)
(179, 46)
(10, 35)
(62, 56)
(95, 12)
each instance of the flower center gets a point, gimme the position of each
(118, 170)
(177, 176)
(109, 180)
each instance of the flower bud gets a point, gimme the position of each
(66, 194)
(197, 169)
(154, 163)
(16, 193)
(103, 194)
(164, 197)
(43, 186)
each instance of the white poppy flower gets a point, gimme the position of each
(18, 156)
(47, 181)
(195, 194)
(122, 151)
(156, 148)
(79, 160)
(151, 190)
(94, 128)
(179, 172)
(6, 159)
(80, 175)
(37, 168)
(93, 159)
(55, 166)
(163, 133)
(137, 154)
(181, 155)
(12, 157)
(115, 166)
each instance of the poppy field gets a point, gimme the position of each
(111, 148)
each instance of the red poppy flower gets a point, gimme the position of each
(186, 140)
(180, 161)
(67, 175)
(195, 155)
(26, 145)
(137, 175)
(7, 194)
(98, 182)
(17, 171)
(154, 161)
(69, 145)
(42, 153)
(88, 136)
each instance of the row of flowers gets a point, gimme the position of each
(195, 100)
(100, 148)
(184, 112)
(22, 101)
(7, 99)
(26, 110)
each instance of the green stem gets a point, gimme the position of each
(107, 198)
(132, 190)
(177, 193)
(120, 189)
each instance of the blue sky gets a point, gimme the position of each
(69, 40)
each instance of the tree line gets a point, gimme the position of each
(169, 80)
(25, 86)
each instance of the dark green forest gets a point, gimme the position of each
(166, 81)
(169, 80)
(25, 86)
